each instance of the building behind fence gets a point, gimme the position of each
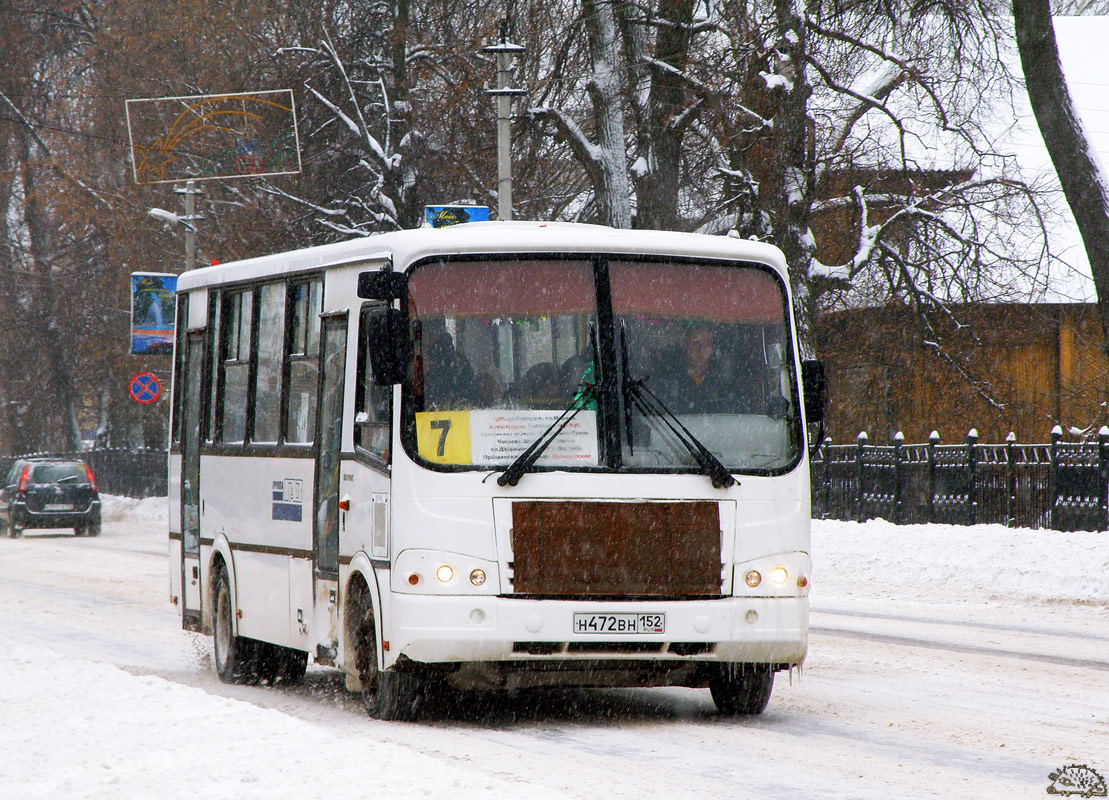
(1061, 485)
(131, 473)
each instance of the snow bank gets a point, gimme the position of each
(152, 510)
(877, 560)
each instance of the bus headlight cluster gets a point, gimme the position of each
(779, 577)
(445, 574)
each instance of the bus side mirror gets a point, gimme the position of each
(381, 285)
(814, 388)
(388, 345)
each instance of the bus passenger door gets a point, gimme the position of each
(190, 482)
(329, 441)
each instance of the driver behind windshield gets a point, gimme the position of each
(696, 382)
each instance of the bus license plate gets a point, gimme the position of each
(619, 623)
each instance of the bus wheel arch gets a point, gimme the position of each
(236, 657)
(386, 694)
(220, 558)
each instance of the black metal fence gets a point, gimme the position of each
(1061, 485)
(131, 473)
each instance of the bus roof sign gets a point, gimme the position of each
(443, 216)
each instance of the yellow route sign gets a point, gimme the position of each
(444, 436)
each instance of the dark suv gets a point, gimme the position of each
(50, 493)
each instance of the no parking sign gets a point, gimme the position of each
(145, 388)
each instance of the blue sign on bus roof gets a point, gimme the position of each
(442, 216)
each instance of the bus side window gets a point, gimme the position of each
(373, 404)
(236, 364)
(306, 303)
(271, 342)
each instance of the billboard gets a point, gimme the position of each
(212, 136)
(442, 216)
(153, 311)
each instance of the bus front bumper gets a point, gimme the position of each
(446, 629)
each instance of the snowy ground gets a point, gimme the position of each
(944, 662)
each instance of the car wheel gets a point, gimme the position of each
(236, 656)
(93, 529)
(14, 530)
(741, 689)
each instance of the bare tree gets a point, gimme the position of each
(1084, 186)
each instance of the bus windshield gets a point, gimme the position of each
(705, 348)
(501, 348)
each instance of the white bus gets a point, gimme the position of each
(495, 455)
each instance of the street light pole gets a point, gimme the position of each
(504, 94)
(188, 222)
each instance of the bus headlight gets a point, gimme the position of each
(445, 574)
(779, 575)
(477, 577)
(753, 578)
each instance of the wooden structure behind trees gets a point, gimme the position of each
(1008, 367)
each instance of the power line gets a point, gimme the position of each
(59, 129)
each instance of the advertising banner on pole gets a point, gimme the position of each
(153, 312)
(213, 136)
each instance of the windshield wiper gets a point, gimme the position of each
(650, 405)
(524, 461)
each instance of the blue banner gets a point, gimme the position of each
(153, 312)
(442, 216)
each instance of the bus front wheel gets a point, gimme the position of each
(385, 695)
(236, 656)
(741, 689)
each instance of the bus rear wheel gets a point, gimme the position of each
(236, 656)
(385, 695)
(741, 689)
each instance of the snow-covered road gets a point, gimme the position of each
(944, 662)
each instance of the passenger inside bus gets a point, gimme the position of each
(541, 387)
(447, 377)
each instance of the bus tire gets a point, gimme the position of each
(741, 689)
(385, 695)
(236, 656)
(284, 665)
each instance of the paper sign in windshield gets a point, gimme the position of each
(499, 436)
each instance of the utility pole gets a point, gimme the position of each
(504, 94)
(188, 222)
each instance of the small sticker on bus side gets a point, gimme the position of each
(288, 503)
